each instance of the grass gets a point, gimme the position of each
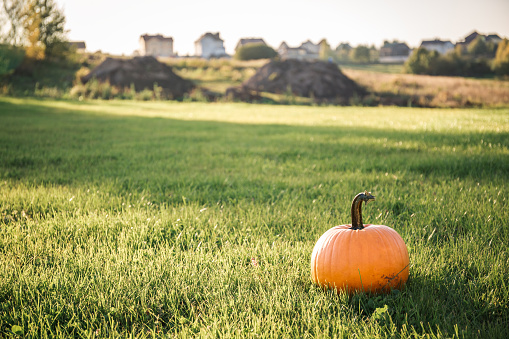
(166, 219)
(432, 91)
(215, 75)
(378, 68)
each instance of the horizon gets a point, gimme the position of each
(336, 21)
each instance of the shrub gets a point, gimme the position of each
(421, 61)
(427, 62)
(501, 62)
(10, 58)
(254, 52)
(360, 54)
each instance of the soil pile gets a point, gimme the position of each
(143, 73)
(314, 79)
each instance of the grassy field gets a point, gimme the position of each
(167, 219)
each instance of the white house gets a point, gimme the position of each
(394, 52)
(156, 45)
(440, 46)
(311, 47)
(306, 51)
(209, 45)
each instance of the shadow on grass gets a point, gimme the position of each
(434, 305)
(43, 145)
(209, 162)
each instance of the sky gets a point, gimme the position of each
(114, 26)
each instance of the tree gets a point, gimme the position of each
(422, 61)
(343, 52)
(36, 24)
(480, 47)
(11, 16)
(325, 50)
(255, 51)
(501, 62)
(361, 54)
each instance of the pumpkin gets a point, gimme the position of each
(358, 257)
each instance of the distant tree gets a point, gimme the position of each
(480, 47)
(374, 54)
(360, 54)
(325, 50)
(343, 52)
(501, 62)
(255, 51)
(422, 61)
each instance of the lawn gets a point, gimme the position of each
(168, 219)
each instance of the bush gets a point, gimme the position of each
(254, 52)
(427, 62)
(501, 62)
(10, 58)
(421, 61)
(360, 54)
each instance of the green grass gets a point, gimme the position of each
(166, 219)
(378, 68)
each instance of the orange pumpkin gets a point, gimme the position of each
(357, 257)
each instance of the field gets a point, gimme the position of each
(175, 219)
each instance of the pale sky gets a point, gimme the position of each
(114, 26)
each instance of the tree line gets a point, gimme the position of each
(479, 58)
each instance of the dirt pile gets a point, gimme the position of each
(314, 79)
(143, 73)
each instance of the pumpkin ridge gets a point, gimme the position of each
(390, 251)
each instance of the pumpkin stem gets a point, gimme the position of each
(357, 209)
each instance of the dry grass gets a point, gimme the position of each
(433, 91)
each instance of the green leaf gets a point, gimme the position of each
(380, 312)
(17, 330)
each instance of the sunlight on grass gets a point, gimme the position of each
(166, 219)
(423, 119)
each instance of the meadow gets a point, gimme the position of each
(189, 219)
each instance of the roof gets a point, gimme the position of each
(245, 41)
(471, 37)
(344, 45)
(147, 37)
(496, 36)
(435, 42)
(78, 44)
(248, 41)
(214, 36)
(395, 49)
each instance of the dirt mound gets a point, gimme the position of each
(318, 79)
(143, 73)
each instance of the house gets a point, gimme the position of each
(440, 46)
(80, 46)
(395, 52)
(306, 51)
(209, 45)
(156, 45)
(493, 38)
(249, 41)
(344, 46)
(311, 47)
